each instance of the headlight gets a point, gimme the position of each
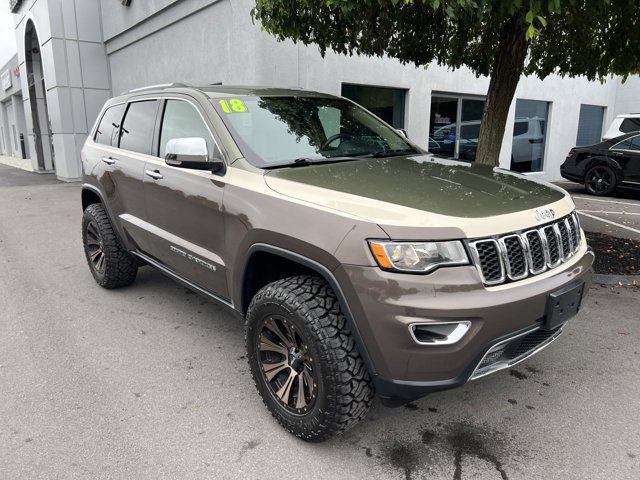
(418, 257)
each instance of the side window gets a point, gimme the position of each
(182, 120)
(107, 130)
(635, 143)
(629, 125)
(137, 127)
(624, 145)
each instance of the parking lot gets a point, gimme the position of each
(617, 215)
(151, 381)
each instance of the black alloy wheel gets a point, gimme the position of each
(95, 247)
(111, 265)
(304, 360)
(600, 180)
(287, 365)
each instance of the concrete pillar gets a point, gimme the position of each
(73, 63)
(5, 145)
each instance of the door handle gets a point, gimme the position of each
(109, 160)
(155, 174)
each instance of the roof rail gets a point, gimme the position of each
(160, 85)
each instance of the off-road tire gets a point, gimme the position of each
(120, 267)
(344, 388)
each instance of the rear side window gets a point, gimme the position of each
(629, 125)
(182, 120)
(137, 127)
(107, 131)
(632, 143)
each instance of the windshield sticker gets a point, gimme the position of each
(233, 105)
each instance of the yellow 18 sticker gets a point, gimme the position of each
(233, 105)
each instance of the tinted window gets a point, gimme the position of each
(386, 103)
(527, 147)
(181, 120)
(137, 128)
(109, 125)
(635, 143)
(627, 144)
(629, 125)
(589, 125)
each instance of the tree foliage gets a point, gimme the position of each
(498, 38)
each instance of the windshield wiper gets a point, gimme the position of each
(305, 161)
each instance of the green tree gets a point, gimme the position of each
(499, 38)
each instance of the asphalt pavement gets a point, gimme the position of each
(151, 382)
(617, 215)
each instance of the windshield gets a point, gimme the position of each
(274, 131)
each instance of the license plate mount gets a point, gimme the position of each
(563, 304)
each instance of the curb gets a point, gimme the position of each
(625, 280)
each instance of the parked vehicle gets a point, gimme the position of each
(359, 263)
(606, 166)
(623, 124)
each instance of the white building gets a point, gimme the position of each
(77, 53)
(13, 126)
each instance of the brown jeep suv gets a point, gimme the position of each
(360, 263)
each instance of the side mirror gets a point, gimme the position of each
(192, 152)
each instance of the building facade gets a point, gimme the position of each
(13, 126)
(77, 53)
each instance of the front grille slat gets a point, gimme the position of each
(516, 256)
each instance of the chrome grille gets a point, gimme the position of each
(519, 255)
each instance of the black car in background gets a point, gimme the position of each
(614, 163)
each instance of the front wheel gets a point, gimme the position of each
(600, 180)
(304, 360)
(110, 264)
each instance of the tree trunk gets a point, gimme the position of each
(505, 74)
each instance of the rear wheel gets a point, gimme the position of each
(600, 180)
(304, 360)
(110, 264)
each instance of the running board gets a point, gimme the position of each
(183, 281)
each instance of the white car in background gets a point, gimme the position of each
(623, 124)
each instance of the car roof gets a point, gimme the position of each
(220, 91)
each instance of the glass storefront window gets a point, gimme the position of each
(529, 136)
(450, 137)
(385, 103)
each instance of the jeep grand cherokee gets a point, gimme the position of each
(360, 263)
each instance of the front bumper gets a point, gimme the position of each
(384, 304)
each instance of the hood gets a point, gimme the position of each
(419, 190)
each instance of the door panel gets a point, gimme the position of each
(187, 226)
(627, 154)
(119, 174)
(184, 207)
